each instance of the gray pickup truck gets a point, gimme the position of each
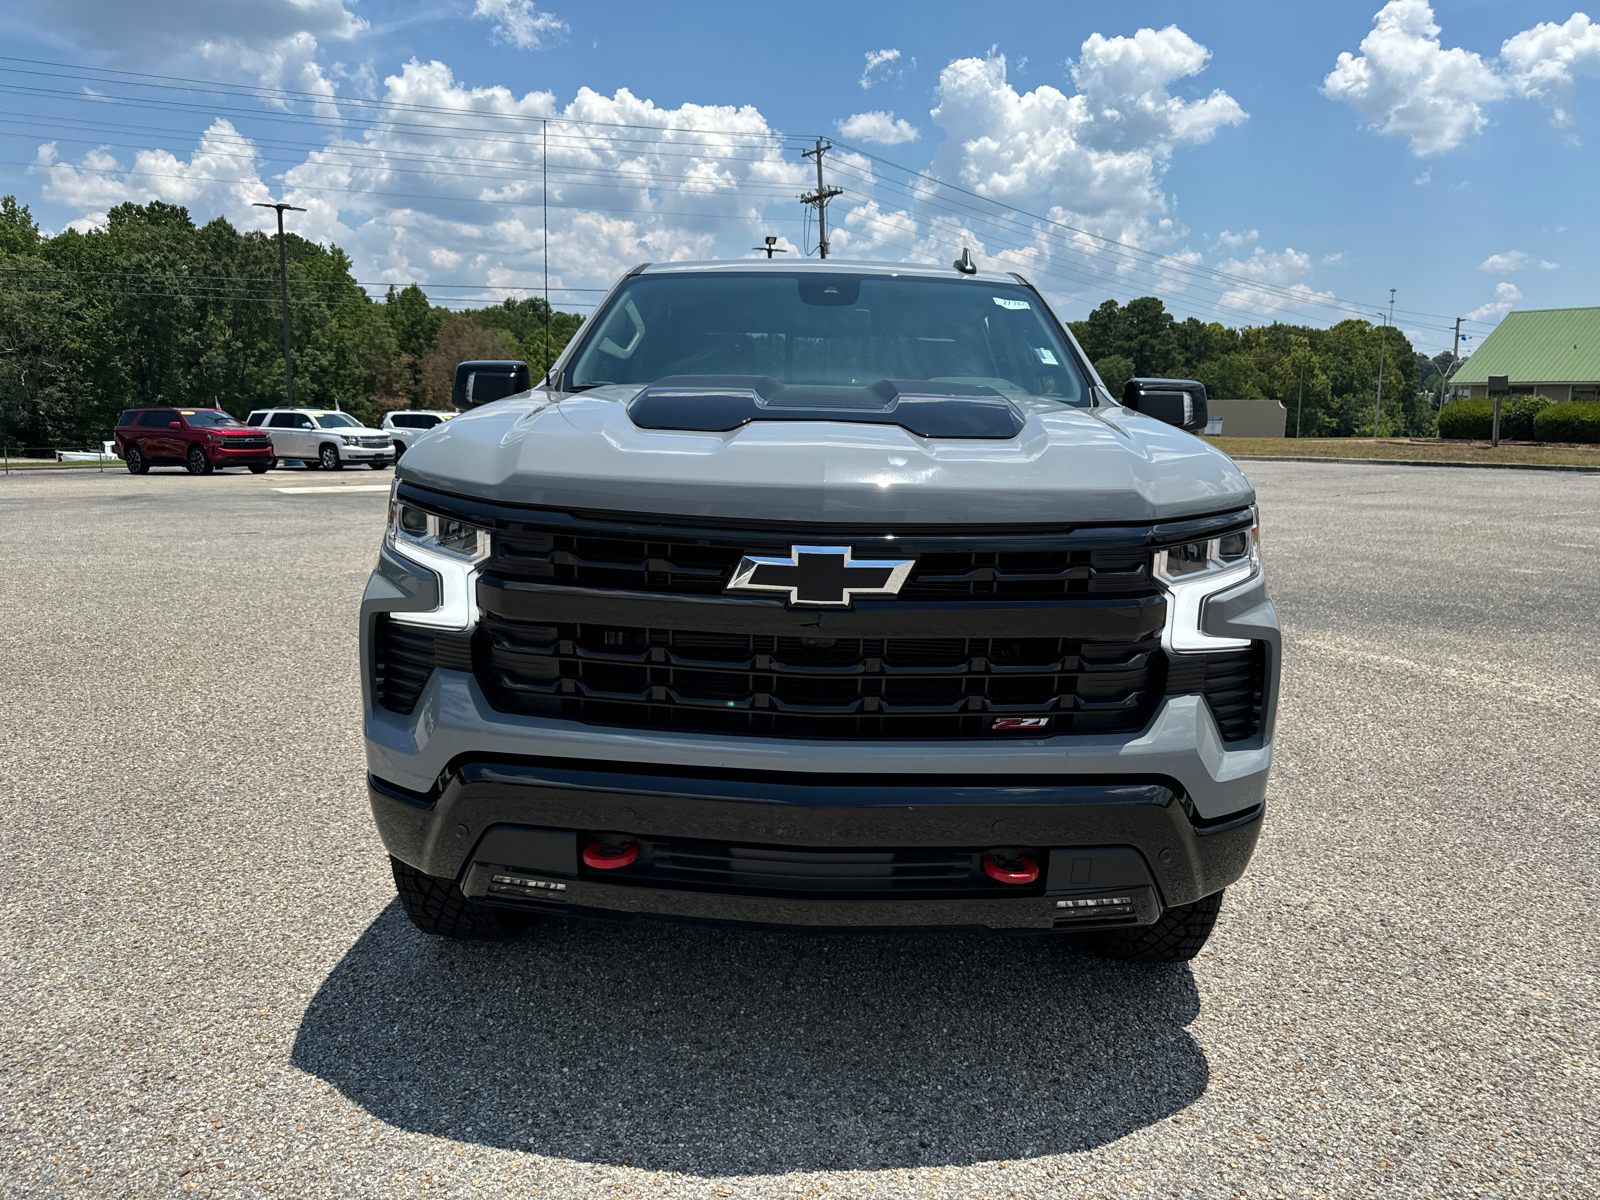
(830, 595)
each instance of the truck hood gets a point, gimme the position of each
(1068, 465)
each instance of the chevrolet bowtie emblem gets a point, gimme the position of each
(821, 576)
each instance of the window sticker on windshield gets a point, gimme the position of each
(1014, 305)
(188, 412)
(1046, 356)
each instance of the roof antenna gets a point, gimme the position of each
(964, 264)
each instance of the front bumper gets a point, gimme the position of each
(224, 456)
(806, 850)
(367, 454)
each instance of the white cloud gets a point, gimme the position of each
(1514, 260)
(880, 66)
(1272, 280)
(520, 23)
(1425, 178)
(1405, 84)
(880, 127)
(455, 203)
(1096, 157)
(271, 41)
(1506, 297)
(1543, 61)
(220, 176)
(1235, 240)
(1328, 260)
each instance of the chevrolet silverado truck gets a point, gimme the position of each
(823, 595)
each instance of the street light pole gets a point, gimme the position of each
(283, 290)
(1383, 344)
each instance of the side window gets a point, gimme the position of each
(282, 421)
(157, 418)
(425, 422)
(300, 420)
(256, 418)
(128, 418)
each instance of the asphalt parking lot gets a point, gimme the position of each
(208, 985)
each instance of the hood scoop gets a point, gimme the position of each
(924, 407)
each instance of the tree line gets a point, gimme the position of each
(1327, 379)
(153, 309)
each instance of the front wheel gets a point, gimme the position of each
(379, 466)
(197, 462)
(399, 450)
(328, 458)
(437, 906)
(1176, 937)
(258, 468)
(136, 461)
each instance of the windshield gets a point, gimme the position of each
(830, 330)
(202, 419)
(336, 421)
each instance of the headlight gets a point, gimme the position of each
(1196, 570)
(350, 439)
(451, 549)
(414, 528)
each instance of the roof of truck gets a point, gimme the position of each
(829, 266)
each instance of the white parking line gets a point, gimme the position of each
(338, 487)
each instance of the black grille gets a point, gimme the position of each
(773, 870)
(814, 686)
(686, 568)
(1233, 684)
(404, 656)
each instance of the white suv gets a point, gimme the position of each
(407, 425)
(319, 438)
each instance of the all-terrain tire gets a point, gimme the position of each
(1177, 935)
(437, 906)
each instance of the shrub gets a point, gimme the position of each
(1518, 415)
(1471, 418)
(1474, 418)
(1575, 422)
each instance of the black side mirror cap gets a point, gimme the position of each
(484, 381)
(1180, 402)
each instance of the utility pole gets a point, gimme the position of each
(283, 290)
(1455, 358)
(1300, 400)
(820, 197)
(1383, 344)
(771, 247)
(544, 196)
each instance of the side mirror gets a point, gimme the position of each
(482, 382)
(175, 424)
(1180, 402)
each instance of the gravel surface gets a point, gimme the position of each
(208, 985)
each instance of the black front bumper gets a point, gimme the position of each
(793, 848)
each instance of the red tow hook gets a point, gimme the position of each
(1026, 870)
(595, 856)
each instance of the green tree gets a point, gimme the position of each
(19, 232)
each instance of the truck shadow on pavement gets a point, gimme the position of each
(740, 1051)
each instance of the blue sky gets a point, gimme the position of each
(1221, 156)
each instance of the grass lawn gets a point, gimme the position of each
(47, 464)
(1408, 449)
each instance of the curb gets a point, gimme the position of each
(1414, 462)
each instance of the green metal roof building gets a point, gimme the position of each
(1551, 352)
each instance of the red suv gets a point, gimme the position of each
(201, 439)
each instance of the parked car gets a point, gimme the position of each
(823, 594)
(318, 438)
(406, 426)
(201, 439)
